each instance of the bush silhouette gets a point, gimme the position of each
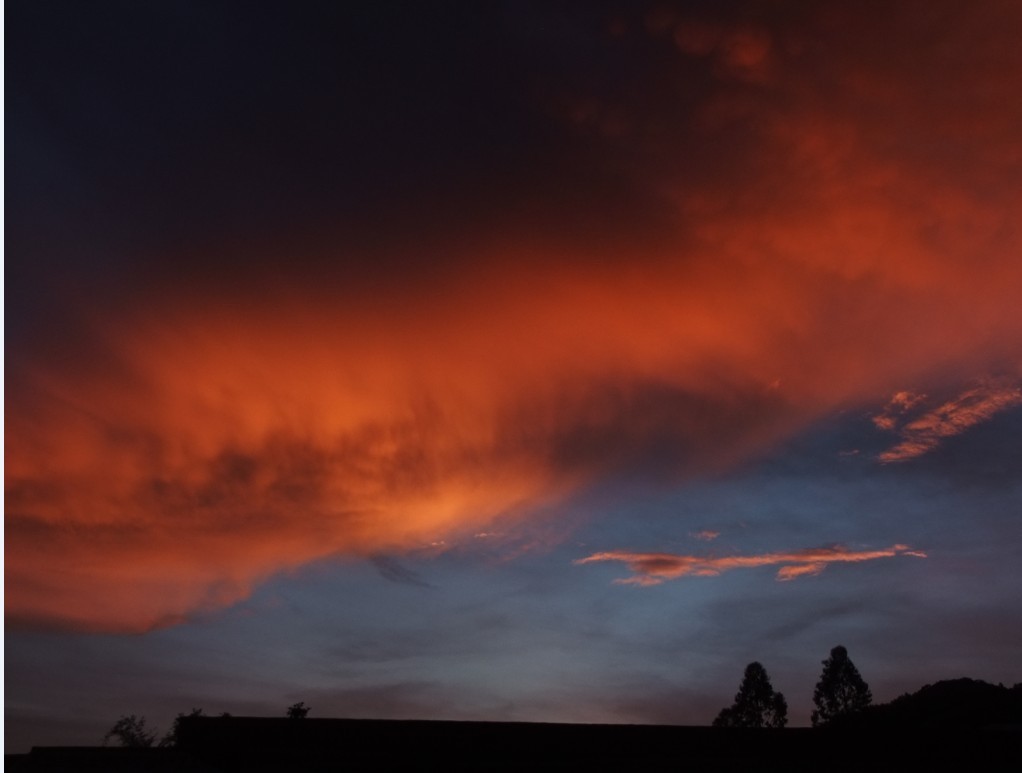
(171, 738)
(756, 704)
(297, 710)
(841, 690)
(131, 730)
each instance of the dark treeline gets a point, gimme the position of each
(960, 722)
(841, 699)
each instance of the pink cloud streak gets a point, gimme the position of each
(654, 568)
(925, 433)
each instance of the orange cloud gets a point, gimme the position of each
(654, 568)
(925, 433)
(898, 405)
(791, 572)
(846, 225)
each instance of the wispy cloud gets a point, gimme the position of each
(706, 535)
(895, 408)
(654, 568)
(925, 433)
(390, 569)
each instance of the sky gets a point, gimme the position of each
(538, 361)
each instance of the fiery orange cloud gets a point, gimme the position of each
(955, 416)
(654, 568)
(213, 432)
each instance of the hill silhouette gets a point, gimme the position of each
(952, 704)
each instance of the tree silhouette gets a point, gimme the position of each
(131, 730)
(841, 690)
(756, 704)
(297, 710)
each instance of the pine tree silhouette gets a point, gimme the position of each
(756, 704)
(841, 690)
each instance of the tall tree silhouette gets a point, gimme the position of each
(756, 704)
(841, 689)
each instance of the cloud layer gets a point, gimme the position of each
(791, 215)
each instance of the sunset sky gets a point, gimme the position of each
(541, 361)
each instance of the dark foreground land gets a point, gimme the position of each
(235, 744)
(959, 724)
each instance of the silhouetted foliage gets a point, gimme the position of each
(297, 710)
(951, 705)
(756, 704)
(171, 738)
(841, 690)
(131, 730)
